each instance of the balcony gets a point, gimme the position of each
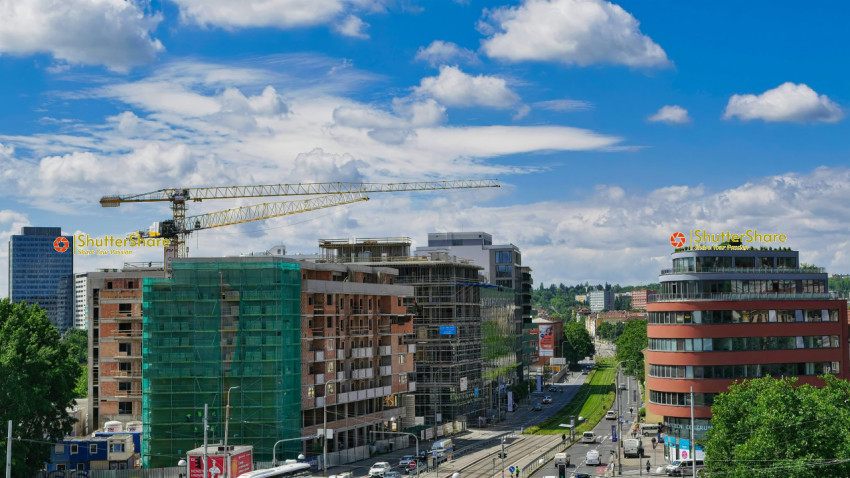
(385, 350)
(363, 352)
(386, 370)
(135, 373)
(745, 270)
(362, 373)
(721, 296)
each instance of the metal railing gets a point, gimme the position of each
(720, 296)
(746, 270)
(541, 460)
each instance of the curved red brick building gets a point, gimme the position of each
(727, 315)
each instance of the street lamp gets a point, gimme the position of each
(226, 423)
(417, 444)
(325, 428)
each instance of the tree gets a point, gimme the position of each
(630, 345)
(578, 344)
(81, 388)
(38, 375)
(774, 428)
(78, 344)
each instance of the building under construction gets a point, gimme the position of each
(218, 324)
(447, 323)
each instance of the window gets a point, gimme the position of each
(401, 359)
(125, 308)
(125, 408)
(124, 348)
(75, 449)
(311, 391)
(59, 449)
(330, 367)
(124, 386)
(503, 271)
(503, 257)
(130, 285)
(117, 448)
(93, 448)
(81, 466)
(403, 378)
(124, 366)
(60, 467)
(125, 327)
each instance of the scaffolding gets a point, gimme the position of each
(217, 324)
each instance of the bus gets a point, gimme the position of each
(284, 471)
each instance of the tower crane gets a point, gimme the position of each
(178, 228)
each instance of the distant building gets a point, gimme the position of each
(639, 298)
(80, 301)
(601, 300)
(41, 271)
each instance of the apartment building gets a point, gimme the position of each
(639, 298)
(727, 315)
(113, 299)
(600, 300)
(284, 342)
(447, 325)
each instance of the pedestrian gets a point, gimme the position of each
(648, 466)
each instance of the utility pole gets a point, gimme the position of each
(503, 457)
(693, 446)
(9, 452)
(206, 465)
(226, 423)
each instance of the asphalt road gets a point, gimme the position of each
(604, 443)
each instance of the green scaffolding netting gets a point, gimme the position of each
(212, 326)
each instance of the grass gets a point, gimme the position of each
(592, 400)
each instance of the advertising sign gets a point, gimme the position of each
(510, 401)
(448, 330)
(463, 384)
(215, 466)
(558, 361)
(547, 340)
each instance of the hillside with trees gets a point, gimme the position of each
(559, 300)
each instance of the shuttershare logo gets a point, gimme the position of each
(677, 239)
(61, 244)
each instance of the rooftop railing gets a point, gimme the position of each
(721, 296)
(746, 270)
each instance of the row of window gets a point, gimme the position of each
(681, 399)
(743, 371)
(744, 343)
(744, 286)
(692, 264)
(743, 316)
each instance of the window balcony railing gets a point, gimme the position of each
(745, 270)
(721, 296)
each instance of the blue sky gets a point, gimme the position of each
(610, 125)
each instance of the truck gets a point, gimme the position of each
(562, 459)
(441, 449)
(592, 458)
(632, 447)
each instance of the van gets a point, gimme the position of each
(648, 429)
(632, 448)
(588, 437)
(592, 458)
(683, 467)
(562, 459)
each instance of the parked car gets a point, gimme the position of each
(547, 399)
(408, 463)
(392, 474)
(611, 415)
(379, 469)
(537, 407)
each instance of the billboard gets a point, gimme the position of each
(448, 330)
(547, 340)
(240, 463)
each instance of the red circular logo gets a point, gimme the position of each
(677, 239)
(61, 244)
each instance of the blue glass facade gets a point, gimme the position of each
(40, 274)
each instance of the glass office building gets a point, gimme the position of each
(41, 271)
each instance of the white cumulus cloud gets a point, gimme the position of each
(353, 26)
(113, 33)
(456, 88)
(581, 32)
(443, 52)
(284, 14)
(671, 114)
(787, 102)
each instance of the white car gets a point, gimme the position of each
(611, 415)
(379, 468)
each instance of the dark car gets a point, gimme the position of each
(537, 407)
(553, 389)
(582, 475)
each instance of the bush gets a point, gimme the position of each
(642, 413)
